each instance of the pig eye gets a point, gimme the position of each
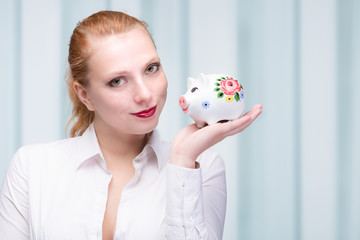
(194, 89)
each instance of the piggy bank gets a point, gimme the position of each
(212, 98)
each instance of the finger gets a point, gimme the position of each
(239, 126)
(256, 113)
(254, 109)
(218, 131)
(226, 129)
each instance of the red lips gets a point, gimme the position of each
(146, 113)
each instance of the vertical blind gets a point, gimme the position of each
(295, 173)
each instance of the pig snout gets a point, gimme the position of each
(183, 104)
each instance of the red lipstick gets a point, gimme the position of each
(146, 113)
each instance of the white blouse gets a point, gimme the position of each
(59, 190)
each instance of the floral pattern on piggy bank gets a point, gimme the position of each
(212, 98)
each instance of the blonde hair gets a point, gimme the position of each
(100, 24)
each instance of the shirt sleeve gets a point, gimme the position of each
(196, 201)
(14, 202)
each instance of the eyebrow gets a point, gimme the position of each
(154, 59)
(125, 72)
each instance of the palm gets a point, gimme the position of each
(191, 141)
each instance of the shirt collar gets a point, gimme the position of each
(161, 148)
(89, 148)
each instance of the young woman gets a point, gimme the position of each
(115, 178)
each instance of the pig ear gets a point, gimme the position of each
(190, 82)
(203, 79)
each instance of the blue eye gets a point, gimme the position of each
(116, 82)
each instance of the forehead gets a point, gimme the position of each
(125, 50)
(96, 40)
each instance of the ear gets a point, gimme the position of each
(202, 76)
(190, 82)
(204, 80)
(83, 96)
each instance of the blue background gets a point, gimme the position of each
(295, 173)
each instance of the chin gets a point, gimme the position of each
(146, 128)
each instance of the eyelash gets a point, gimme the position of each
(111, 83)
(157, 65)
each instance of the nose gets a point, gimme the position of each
(182, 102)
(142, 92)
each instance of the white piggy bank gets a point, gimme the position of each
(213, 97)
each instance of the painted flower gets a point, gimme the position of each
(206, 104)
(229, 86)
(229, 98)
(242, 94)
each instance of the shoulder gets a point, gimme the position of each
(54, 147)
(34, 160)
(34, 154)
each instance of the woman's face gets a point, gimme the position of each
(127, 85)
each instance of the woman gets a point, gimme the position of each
(115, 178)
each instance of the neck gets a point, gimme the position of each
(118, 149)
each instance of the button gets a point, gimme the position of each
(138, 173)
(191, 219)
(122, 230)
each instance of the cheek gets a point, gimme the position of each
(163, 87)
(109, 102)
(159, 87)
(117, 102)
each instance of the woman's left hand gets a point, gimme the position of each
(191, 141)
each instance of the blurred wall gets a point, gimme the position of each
(295, 173)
